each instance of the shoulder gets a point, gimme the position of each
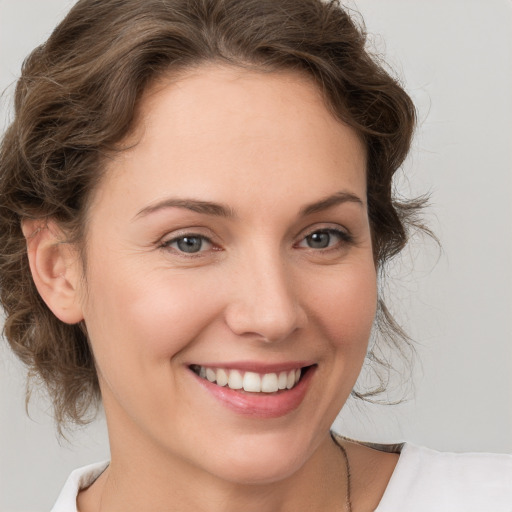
(79, 479)
(426, 480)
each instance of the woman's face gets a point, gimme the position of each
(230, 243)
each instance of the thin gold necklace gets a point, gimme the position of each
(348, 502)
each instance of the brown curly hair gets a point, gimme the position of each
(76, 101)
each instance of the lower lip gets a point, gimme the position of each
(260, 405)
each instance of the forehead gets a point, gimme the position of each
(265, 132)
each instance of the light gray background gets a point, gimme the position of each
(455, 57)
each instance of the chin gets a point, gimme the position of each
(258, 472)
(262, 460)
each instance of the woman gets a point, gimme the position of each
(196, 202)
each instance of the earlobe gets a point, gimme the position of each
(55, 268)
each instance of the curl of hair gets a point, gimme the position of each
(76, 101)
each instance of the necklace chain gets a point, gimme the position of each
(348, 502)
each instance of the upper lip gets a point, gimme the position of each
(256, 367)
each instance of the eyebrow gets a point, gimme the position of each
(329, 202)
(220, 210)
(195, 205)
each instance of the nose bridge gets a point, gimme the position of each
(265, 303)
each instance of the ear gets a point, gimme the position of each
(55, 267)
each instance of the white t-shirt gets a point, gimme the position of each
(424, 480)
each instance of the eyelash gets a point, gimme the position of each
(167, 245)
(345, 238)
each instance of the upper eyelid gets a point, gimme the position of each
(337, 228)
(169, 241)
(171, 236)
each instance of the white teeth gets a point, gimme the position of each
(222, 377)
(235, 380)
(269, 383)
(282, 380)
(290, 381)
(250, 381)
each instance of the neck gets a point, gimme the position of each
(145, 480)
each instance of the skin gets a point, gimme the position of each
(265, 147)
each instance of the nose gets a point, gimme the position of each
(264, 303)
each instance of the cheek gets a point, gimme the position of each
(139, 324)
(345, 304)
(139, 317)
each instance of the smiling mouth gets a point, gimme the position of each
(251, 382)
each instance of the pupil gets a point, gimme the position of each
(190, 244)
(319, 240)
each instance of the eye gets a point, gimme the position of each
(189, 244)
(324, 239)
